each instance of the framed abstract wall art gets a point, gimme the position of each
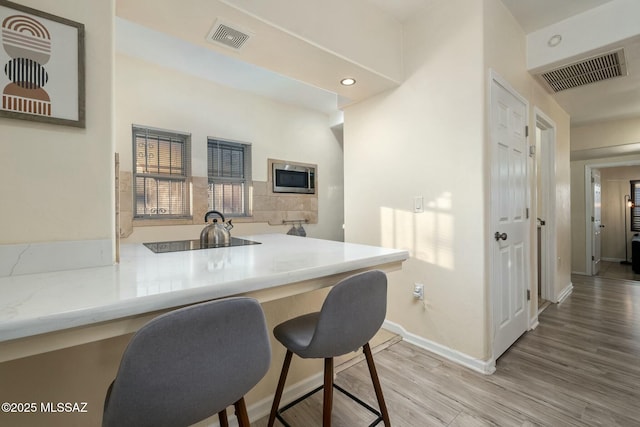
(41, 66)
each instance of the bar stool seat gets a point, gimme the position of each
(350, 316)
(189, 364)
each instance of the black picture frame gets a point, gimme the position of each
(42, 66)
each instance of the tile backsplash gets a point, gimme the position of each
(275, 208)
(267, 207)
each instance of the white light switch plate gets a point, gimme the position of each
(418, 204)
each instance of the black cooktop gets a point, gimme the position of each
(192, 245)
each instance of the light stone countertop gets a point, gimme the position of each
(144, 282)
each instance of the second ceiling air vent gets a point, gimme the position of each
(587, 71)
(228, 35)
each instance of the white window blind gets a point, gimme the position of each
(229, 172)
(162, 168)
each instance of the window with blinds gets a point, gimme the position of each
(162, 169)
(635, 209)
(229, 172)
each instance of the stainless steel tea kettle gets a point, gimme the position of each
(215, 233)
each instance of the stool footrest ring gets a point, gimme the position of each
(341, 390)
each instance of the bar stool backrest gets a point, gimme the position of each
(351, 315)
(189, 364)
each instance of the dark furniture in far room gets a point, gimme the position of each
(635, 254)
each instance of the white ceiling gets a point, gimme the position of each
(400, 9)
(535, 14)
(530, 14)
(615, 98)
(606, 100)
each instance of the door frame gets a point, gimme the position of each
(495, 77)
(592, 186)
(588, 201)
(548, 179)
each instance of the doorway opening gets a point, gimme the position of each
(614, 188)
(545, 203)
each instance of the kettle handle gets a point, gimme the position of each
(206, 216)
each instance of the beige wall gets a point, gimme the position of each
(605, 134)
(426, 139)
(434, 126)
(57, 181)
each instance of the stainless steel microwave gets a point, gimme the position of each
(292, 178)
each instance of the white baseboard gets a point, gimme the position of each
(262, 408)
(486, 367)
(565, 293)
(533, 323)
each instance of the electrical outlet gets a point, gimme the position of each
(418, 291)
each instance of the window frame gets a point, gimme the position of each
(634, 210)
(245, 180)
(184, 178)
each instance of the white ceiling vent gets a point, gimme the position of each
(587, 71)
(229, 35)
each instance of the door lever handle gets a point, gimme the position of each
(500, 236)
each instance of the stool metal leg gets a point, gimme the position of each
(241, 413)
(327, 404)
(376, 385)
(280, 389)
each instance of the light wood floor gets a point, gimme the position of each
(579, 367)
(615, 270)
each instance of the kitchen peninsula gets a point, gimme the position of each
(49, 311)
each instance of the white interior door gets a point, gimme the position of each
(510, 234)
(596, 222)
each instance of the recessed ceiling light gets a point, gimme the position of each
(348, 81)
(554, 40)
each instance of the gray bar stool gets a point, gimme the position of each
(350, 316)
(189, 364)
